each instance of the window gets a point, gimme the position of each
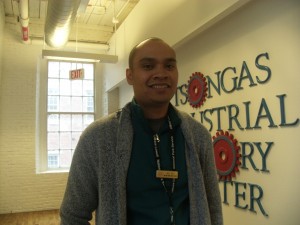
(70, 108)
(53, 161)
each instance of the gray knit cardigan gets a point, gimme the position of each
(97, 178)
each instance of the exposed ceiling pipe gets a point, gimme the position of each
(60, 17)
(24, 19)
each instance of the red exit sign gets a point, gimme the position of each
(76, 74)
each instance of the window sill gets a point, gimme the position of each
(54, 171)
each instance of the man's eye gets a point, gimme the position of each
(170, 66)
(147, 66)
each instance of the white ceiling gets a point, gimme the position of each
(94, 22)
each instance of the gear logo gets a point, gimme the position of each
(197, 90)
(227, 155)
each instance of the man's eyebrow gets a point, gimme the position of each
(149, 59)
(171, 60)
(146, 59)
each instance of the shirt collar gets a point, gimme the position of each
(137, 114)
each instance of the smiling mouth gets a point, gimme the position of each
(159, 86)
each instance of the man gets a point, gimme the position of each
(148, 164)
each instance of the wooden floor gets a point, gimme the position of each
(32, 218)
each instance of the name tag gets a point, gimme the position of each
(167, 174)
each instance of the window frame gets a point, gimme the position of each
(42, 111)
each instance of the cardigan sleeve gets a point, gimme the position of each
(198, 138)
(81, 195)
(211, 184)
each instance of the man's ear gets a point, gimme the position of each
(129, 76)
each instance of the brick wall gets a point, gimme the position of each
(2, 21)
(21, 189)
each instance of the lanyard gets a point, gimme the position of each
(167, 174)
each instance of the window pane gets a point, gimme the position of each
(65, 67)
(65, 87)
(53, 122)
(77, 123)
(65, 123)
(65, 104)
(76, 87)
(53, 103)
(75, 66)
(88, 88)
(53, 140)
(53, 86)
(88, 104)
(65, 158)
(65, 140)
(76, 104)
(70, 110)
(53, 69)
(53, 159)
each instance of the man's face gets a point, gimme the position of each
(154, 74)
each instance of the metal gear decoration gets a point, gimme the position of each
(227, 155)
(197, 89)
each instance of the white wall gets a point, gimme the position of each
(125, 92)
(271, 26)
(174, 20)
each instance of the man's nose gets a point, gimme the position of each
(160, 72)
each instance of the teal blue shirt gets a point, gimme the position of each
(147, 201)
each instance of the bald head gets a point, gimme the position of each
(138, 46)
